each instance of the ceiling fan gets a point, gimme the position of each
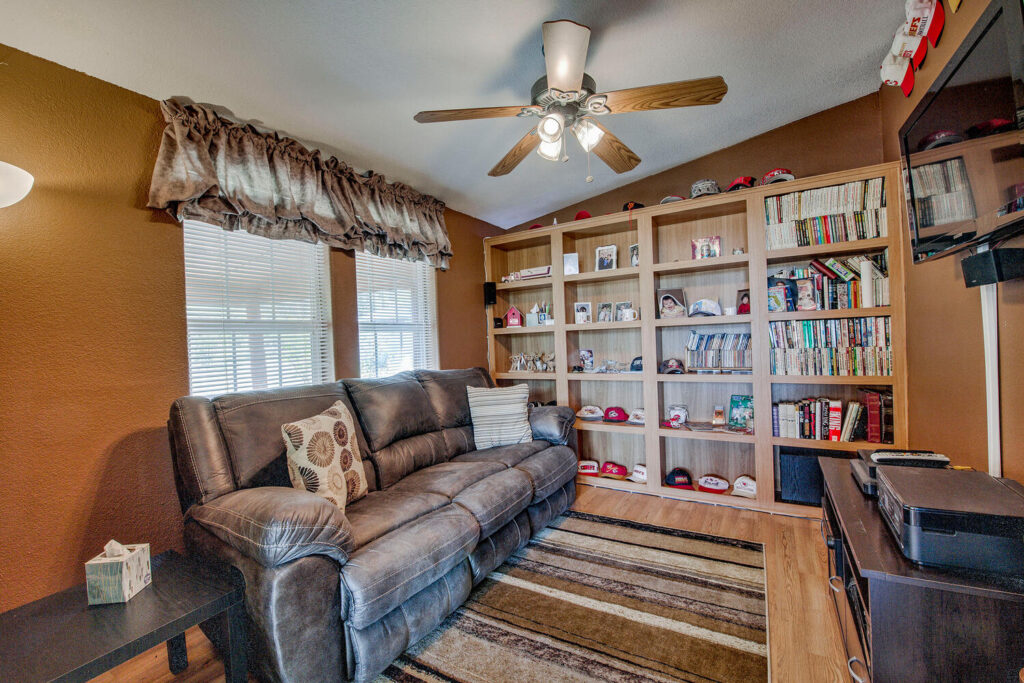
(566, 98)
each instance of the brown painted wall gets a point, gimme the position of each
(836, 139)
(92, 326)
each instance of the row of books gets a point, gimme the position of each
(879, 408)
(857, 361)
(717, 352)
(831, 284)
(822, 419)
(942, 177)
(840, 333)
(858, 195)
(827, 229)
(941, 209)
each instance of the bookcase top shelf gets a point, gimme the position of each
(666, 237)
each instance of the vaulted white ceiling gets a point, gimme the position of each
(348, 76)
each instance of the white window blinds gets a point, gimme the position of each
(258, 310)
(397, 303)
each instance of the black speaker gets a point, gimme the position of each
(490, 293)
(995, 265)
(801, 479)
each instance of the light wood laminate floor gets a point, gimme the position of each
(803, 634)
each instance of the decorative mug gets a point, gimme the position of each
(629, 314)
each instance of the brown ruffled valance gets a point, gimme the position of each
(230, 174)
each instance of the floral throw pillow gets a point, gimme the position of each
(323, 456)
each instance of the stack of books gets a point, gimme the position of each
(852, 347)
(839, 213)
(717, 353)
(878, 404)
(831, 283)
(823, 419)
(942, 193)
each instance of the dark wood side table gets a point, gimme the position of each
(905, 623)
(62, 638)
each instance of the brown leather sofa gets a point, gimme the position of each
(335, 595)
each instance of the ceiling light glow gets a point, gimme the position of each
(587, 133)
(550, 127)
(551, 151)
(14, 184)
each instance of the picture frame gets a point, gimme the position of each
(671, 303)
(634, 255)
(571, 264)
(741, 412)
(742, 301)
(605, 312)
(606, 257)
(582, 310)
(620, 311)
(706, 247)
(587, 359)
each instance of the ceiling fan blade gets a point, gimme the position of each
(693, 93)
(614, 152)
(515, 155)
(565, 53)
(467, 114)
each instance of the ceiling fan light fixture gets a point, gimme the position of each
(550, 127)
(587, 133)
(552, 151)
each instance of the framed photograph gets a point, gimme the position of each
(587, 359)
(634, 255)
(605, 312)
(741, 412)
(671, 303)
(606, 257)
(718, 416)
(570, 264)
(805, 295)
(706, 247)
(582, 310)
(624, 311)
(743, 301)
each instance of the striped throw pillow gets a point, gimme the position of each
(500, 416)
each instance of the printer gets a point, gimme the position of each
(952, 518)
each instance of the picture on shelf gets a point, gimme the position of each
(671, 303)
(571, 264)
(634, 255)
(743, 301)
(741, 412)
(706, 247)
(624, 311)
(606, 257)
(718, 417)
(782, 294)
(582, 310)
(805, 295)
(605, 312)
(587, 359)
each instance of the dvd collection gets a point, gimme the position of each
(717, 353)
(851, 347)
(839, 213)
(943, 193)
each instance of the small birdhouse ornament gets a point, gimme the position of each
(513, 318)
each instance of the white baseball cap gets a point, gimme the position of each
(590, 413)
(639, 474)
(705, 307)
(637, 417)
(744, 486)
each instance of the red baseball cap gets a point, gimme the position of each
(777, 175)
(535, 226)
(742, 183)
(897, 71)
(913, 48)
(587, 468)
(925, 18)
(710, 483)
(581, 214)
(613, 470)
(615, 414)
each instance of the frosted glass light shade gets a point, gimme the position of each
(551, 151)
(587, 133)
(14, 184)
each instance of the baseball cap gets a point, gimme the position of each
(705, 307)
(637, 364)
(613, 470)
(896, 71)
(535, 226)
(702, 187)
(742, 183)
(777, 175)
(679, 479)
(637, 417)
(744, 486)
(588, 468)
(710, 483)
(639, 474)
(913, 48)
(939, 138)
(925, 18)
(629, 206)
(615, 414)
(590, 413)
(671, 198)
(989, 127)
(581, 214)
(671, 366)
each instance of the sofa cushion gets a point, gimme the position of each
(446, 390)
(496, 548)
(391, 408)
(408, 455)
(509, 456)
(448, 479)
(384, 573)
(323, 456)
(458, 440)
(381, 512)
(499, 415)
(549, 470)
(496, 499)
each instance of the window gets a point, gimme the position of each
(258, 311)
(397, 315)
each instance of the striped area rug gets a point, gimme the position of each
(598, 599)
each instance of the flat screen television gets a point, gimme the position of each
(962, 145)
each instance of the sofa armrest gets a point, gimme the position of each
(553, 424)
(274, 524)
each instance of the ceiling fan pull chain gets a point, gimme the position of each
(590, 178)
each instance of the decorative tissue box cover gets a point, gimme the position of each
(116, 579)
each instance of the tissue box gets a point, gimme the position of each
(117, 579)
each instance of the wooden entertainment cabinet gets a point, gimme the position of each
(664, 234)
(902, 622)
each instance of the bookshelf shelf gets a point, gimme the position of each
(536, 329)
(663, 236)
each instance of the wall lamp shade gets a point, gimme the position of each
(14, 184)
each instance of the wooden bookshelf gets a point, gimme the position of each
(663, 233)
